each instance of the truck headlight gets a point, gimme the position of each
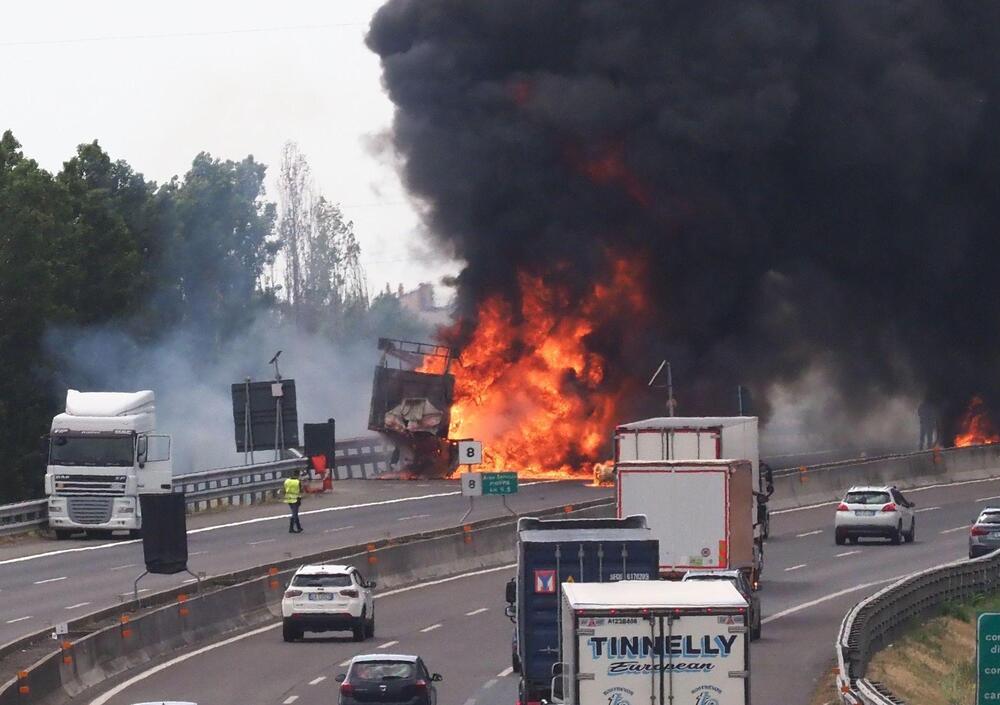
(126, 510)
(56, 509)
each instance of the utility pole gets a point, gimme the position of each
(671, 402)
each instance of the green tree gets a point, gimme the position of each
(33, 214)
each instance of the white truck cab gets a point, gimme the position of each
(103, 453)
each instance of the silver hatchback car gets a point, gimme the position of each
(875, 511)
(984, 536)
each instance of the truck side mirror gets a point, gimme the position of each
(511, 592)
(141, 449)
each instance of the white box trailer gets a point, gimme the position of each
(699, 511)
(655, 643)
(696, 438)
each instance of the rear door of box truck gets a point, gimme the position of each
(655, 659)
(686, 506)
(549, 558)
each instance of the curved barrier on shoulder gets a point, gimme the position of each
(877, 620)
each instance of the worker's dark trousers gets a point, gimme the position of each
(294, 525)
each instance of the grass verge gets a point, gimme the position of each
(934, 662)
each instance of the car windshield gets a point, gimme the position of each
(382, 670)
(867, 497)
(321, 580)
(118, 451)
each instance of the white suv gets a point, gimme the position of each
(323, 598)
(875, 511)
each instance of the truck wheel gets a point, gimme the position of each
(288, 631)
(755, 632)
(515, 663)
(62, 534)
(135, 533)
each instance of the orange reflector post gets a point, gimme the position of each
(23, 689)
(568, 508)
(123, 619)
(273, 570)
(802, 473)
(22, 675)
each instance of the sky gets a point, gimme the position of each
(156, 83)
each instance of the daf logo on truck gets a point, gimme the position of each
(627, 651)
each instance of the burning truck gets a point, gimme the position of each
(412, 394)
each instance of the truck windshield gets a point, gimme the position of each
(92, 450)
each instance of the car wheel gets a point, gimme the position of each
(288, 631)
(370, 627)
(897, 536)
(911, 535)
(755, 632)
(359, 628)
(840, 538)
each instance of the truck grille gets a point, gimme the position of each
(90, 510)
(90, 485)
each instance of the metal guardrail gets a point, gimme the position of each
(877, 620)
(356, 458)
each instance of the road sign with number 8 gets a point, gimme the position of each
(472, 484)
(470, 452)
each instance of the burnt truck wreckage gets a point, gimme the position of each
(411, 406)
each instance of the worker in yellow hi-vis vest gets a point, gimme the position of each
(293, 497)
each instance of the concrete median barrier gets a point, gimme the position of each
(110, 642)
(827, 483)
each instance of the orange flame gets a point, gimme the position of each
(976, 426)
(526, 383)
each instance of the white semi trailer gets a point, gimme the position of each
(655, 643)
(103, 453)
(700, 438)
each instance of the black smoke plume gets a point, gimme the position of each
(806, 184)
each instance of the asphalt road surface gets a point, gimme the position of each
(459, 628)
(45, 582)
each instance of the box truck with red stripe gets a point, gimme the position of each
(698, 510)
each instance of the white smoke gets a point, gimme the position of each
(193, 387)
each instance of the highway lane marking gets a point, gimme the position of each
(415, 516)
(386, 645)
(346, 662)
(246, 522)
(479, 611)
(847, 553)
(129, 594)
(19, 619)
(79, 604)
(105, 697)
(490, 683)
(986, 499)
(290, 699)
(123, 567)
(957, 528)
(505, 672)
(339, 528)
(431, 628)
(796, 567)
(49, 580)
(198, 553)
(189, 580)
(470, 701)
(925, 509)
(826, 598)
(809, 533)
(317, 681)
(909, 491)
(257, 543)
